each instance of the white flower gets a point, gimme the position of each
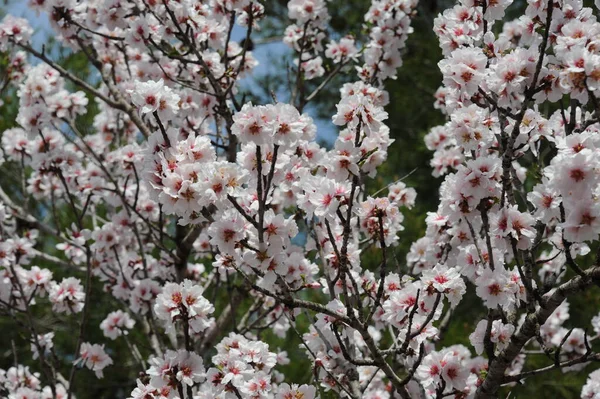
(68, 296)
(94, 357)
(185, 300)
(153, 96)
(116, 324)
(295, 391)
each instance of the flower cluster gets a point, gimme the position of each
(493, 87)
(14, 30)
(94, 358)
(390, 27)
(241, 365)
(19, 382)
(201, 213)
(117, 323)
(184, 302)
(67, 296)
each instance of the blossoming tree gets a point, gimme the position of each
(209, 221)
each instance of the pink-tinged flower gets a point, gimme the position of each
(500, 335)
(116, 324)
(143, 29)
(153, 96)
(312, 68)
(94, 357)
(250, 125)
(143, 391)
(495, 9)
(546, 201)
(401, 302)
(421, 255)
(509, 222)
(38, 278)
(227, 231)
(342, 51)
(303, 11)
(15, 29)
(470, 127)
(454, 373)
(33, 119)
(372, 211)
(183, 366)
(359, 108)
(285, 391)
(429, 371)
(591, 389)
(235, 372)
(596, 324)
(321, 196)
(464, 69)
(143, 294)
(443, 367)
(574, 344)
(286, 122)
(582, 221)
(279, 124)
(575, 176)
(184, 300)
(190, 368)
(258, 386)
(553, 325)
(446, 281)
(402, 195)
(68, 296)
(493, 287)
(45, 342)
(25, 393)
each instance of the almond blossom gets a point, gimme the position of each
(94, 357)
(207, 218)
